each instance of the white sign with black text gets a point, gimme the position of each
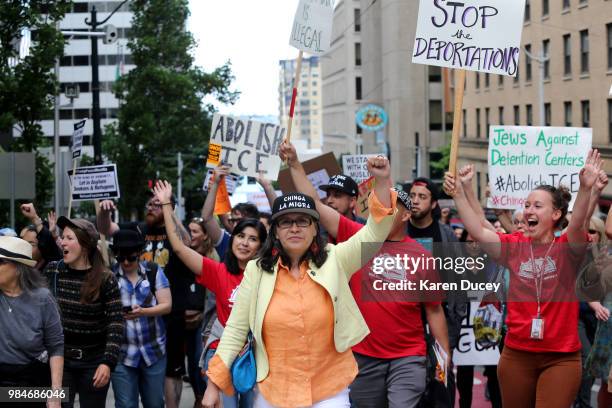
(95, 183)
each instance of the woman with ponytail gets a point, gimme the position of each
(90, 304)
(220, 278)
(540, 365)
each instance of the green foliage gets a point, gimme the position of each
(27, 86)
(438, 168)
(161, 104)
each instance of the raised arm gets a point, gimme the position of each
(576, 231)
(471, 220)
(598, 187)
(329, 217)
(268, 189)
(212, 227)
(466, 174)
(191, 258)
(104, 221)
(382, 212)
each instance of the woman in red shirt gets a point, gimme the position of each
(540, 364)
(221, 278)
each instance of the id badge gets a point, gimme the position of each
(537, 329)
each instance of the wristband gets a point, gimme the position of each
(170, 203)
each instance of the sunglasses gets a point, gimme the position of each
(592, 231)
(129, 258)
(198, 220)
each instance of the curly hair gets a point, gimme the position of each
(561, 198)
(272, 250)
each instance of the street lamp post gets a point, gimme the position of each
(541, 60)
(95, 81)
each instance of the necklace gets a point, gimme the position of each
(8, 303)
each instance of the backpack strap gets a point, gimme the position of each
(151, 271)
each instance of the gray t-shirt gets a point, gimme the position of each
(30, 325)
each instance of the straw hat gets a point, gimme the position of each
(16, 250)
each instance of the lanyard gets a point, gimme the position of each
(538, 276)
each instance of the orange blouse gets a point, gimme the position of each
(298, 331)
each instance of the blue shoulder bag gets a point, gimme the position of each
(244, 370)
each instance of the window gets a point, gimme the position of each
(583, 2)
(357, 16)
(435, 73)
(547, 114)
(546, 52)
(500, 80)
(527, 11)
(357, 54)
(464, 123)
(609, 29)
(501, 115)
(586, 113)
(79, 8)
(527, 63)
(358, 88)
(566, 4)
(610, 120)
(584, 51)
(66, 61)
(359, 130)
(567, 54)
(478, 133)
(529, 113)
(545, 8)
(65, 113)
(487, 122)
(567, 113)
(83, 113)
(517, 115)
(487, 80)
(80, 60)
(435, 115)
(477, 80)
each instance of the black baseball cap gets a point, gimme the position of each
(294, 203)
(428, 184)
(342, 183)
(404, 198)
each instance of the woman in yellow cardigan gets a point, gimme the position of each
(296, 301)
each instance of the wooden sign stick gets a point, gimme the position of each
(457, 120)
(74, 164)
(296, 81)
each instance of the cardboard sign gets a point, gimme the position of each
(318, 171)
(521, 158)
(231, 182)
(356, 166)
(312, 26)
(260, 200)
(468, 352)
(247, 146)
(95, 183)
(77, 138)
(479, 35)
(365, 188)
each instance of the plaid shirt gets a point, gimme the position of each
(145, 337)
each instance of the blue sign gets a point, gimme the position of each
(371, 118)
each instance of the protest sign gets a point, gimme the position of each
(318, 170)
(77, 138)
(222, 201)
(94, 182)
(247, 146)
(521, 158)
(479, 35)
(468, 351)
(365, 188)
(312, 26)
(356, 166)
(231, 182)
(260, 200)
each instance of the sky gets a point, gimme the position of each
(254, 36)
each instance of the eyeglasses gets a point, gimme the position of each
(153, 206)
(129, 258)
(233, 220)
(286, 223)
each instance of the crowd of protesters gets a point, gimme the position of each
(162, 301)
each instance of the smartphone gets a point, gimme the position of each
(127, 309)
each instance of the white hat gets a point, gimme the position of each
(17, 250)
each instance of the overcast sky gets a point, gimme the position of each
(254, 35)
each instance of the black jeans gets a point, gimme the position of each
(78, 377)
(35, 374)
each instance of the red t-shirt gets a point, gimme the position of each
(223, 284)
(558, 304)
(396, 327)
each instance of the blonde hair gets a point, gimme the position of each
(598, 225)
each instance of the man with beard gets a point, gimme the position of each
(158, 250)
(440, 239)
(342, 192)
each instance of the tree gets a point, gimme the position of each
(161, 108)
(28, 85)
